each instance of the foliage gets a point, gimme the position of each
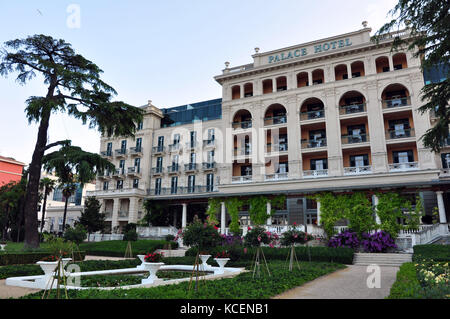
(153, 257)
(346, 238)
(429, 27)
(76, 234)
(331, 210)
(258, 210)
(434, 252)
(233, 206)
(359, 213)
(116, 248)
(201, 235)
(389, 210)
(257, 236)
(213, 210)
(46, 185)
(231, 240)
(130, 235)
(58, 245)
(406, 284)
(222, 254)
(74, 87)
(11, 206)
(241, 286)
(378, 242)
(157, 214)
(414, 216)
(294, 236)
(23, 258)
(91, 218)
(170, 238)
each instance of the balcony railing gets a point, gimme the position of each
(242, 151)
(121, 152)
(401, 167)
(119, 172)
(315, 173)
(353, 139)
(312, 115)
(106, 153)
(198, 189)
(157, 170)
(209, 143)
(321, 142)
(105, 174)
(358, 170)
(123, 214)
(242, 125)
(108, 215)
(174, 147)
(241, 179)
(351, 109)
(283, 147)
(276, 177)
(136, 171)
(396, 102)
(209, 165)
(190, 167)
(393, 134)
(136, 150)
(274, 120)
(191, 144)
(158, 149)
(172, 169)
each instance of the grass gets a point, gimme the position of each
(243, 286)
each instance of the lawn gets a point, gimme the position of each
(243, 286)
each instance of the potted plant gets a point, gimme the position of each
(204, 256)
(2, 245)
(221, 258)
(152, 263)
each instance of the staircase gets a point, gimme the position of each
(392, 260)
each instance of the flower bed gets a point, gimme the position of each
(20, 258)
(117, 248)
(378, 242)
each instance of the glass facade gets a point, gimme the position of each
(436, 74)
(185, 114)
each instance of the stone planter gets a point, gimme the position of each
(141, 258)
(49, 268)
(221, 262)
(2, 247)
(204, 259)
(152, 268)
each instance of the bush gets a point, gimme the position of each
(130, 235)
(406, 285)
(257, 236)
(294, 236)
(21, 258)
(434, 252)
(345, 239)
(116, 248)
(378, 242)
(77, 234)
(170, 238)
(201, 235)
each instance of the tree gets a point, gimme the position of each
(74, 167)
(157, 214)
(91, 218)
(429, 24)
(74, 87)
(46, 185)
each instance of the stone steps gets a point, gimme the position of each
(394, 260)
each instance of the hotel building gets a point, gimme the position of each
(337, 114)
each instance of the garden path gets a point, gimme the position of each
(13, 292)
(348, 283)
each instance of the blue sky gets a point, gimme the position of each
(164, 51)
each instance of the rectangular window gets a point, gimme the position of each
(176, 139)
(123, 146)
(135, 183)
(319, 164)
(160, 142)
(119, 184)
(122, 166)
(174, 185)
(246, 170)
(138, 144)
(283, 168)
(445, 160)
(210, 182)
(109, 149)
(105, 186)
(158, 186)
(192, 158)
(140, 126)
(210, 157)
(159, 162)
(191, 183)
(193, 135)
(211, 135)
(137, 165)
(359, 160)
(403, 157)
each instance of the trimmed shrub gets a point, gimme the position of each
(434, 252)
(345, 239)
(116, 248)
(257, 236)
(406, 285)
(378, 242)
(21, 258)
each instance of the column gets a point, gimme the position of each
(115, 214)
(391, 63)
(310, 79)
(133, 210)
(349, 70)
(441, 206)
(318, 214)
(274, 85)
(293, 130)
(333, 133)
(269, 209)
(184, 216)
(375, 204)
(241, 88)
(222, 218)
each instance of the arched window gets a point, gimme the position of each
(235, 92)
(302, 79)
(242, 119)
(267, 86)
(382, 64)
(275, 114)
(311, 109)
(341, 72)
(248, 90)
(399, 61)
(352, 102)
(281, 83)
(318, 77)
(395, 95)
(357, 69)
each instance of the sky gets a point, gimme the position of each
(164, 51)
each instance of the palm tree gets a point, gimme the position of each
(46, 185)
(68, 189)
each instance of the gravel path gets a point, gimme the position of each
(349, 283)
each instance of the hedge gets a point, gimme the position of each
(321, 254)
(406, 285)
(117, 248)
(434, 252)
(21, 258)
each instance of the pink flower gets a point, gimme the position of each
(245, 250)
(259, 238)
(295, 224)
(249, 228)
(295, 236)
(271, 245)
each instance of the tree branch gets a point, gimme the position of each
(63, 142)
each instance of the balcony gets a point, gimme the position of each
(209, 166)
(108, 215)
(157, 170)
(182, 190)
(121, 153)
(241, 125)
(275, 148)
(174, 147)
(396, 102)
(136, 151)
(158, 149)
(191, 167)
(134, 171)
(394, 134)
(119, 172)
(243, 151)
(315, 173)
(241, 179)
(209, 143)
(123, 214)
(106, 153)
(276, 177)
(312, 115)
(173, 169)
(105, 175)
(403, 167)
(317, 143)
(352, 109)
(275, 120)
(191, 145)
(358, 170)
(354, 139)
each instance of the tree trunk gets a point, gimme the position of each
(34, 175)
(65, 214)
(43, 209)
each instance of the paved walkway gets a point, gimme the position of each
(349, 283)
(13, 292)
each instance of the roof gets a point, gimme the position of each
(11, 160)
